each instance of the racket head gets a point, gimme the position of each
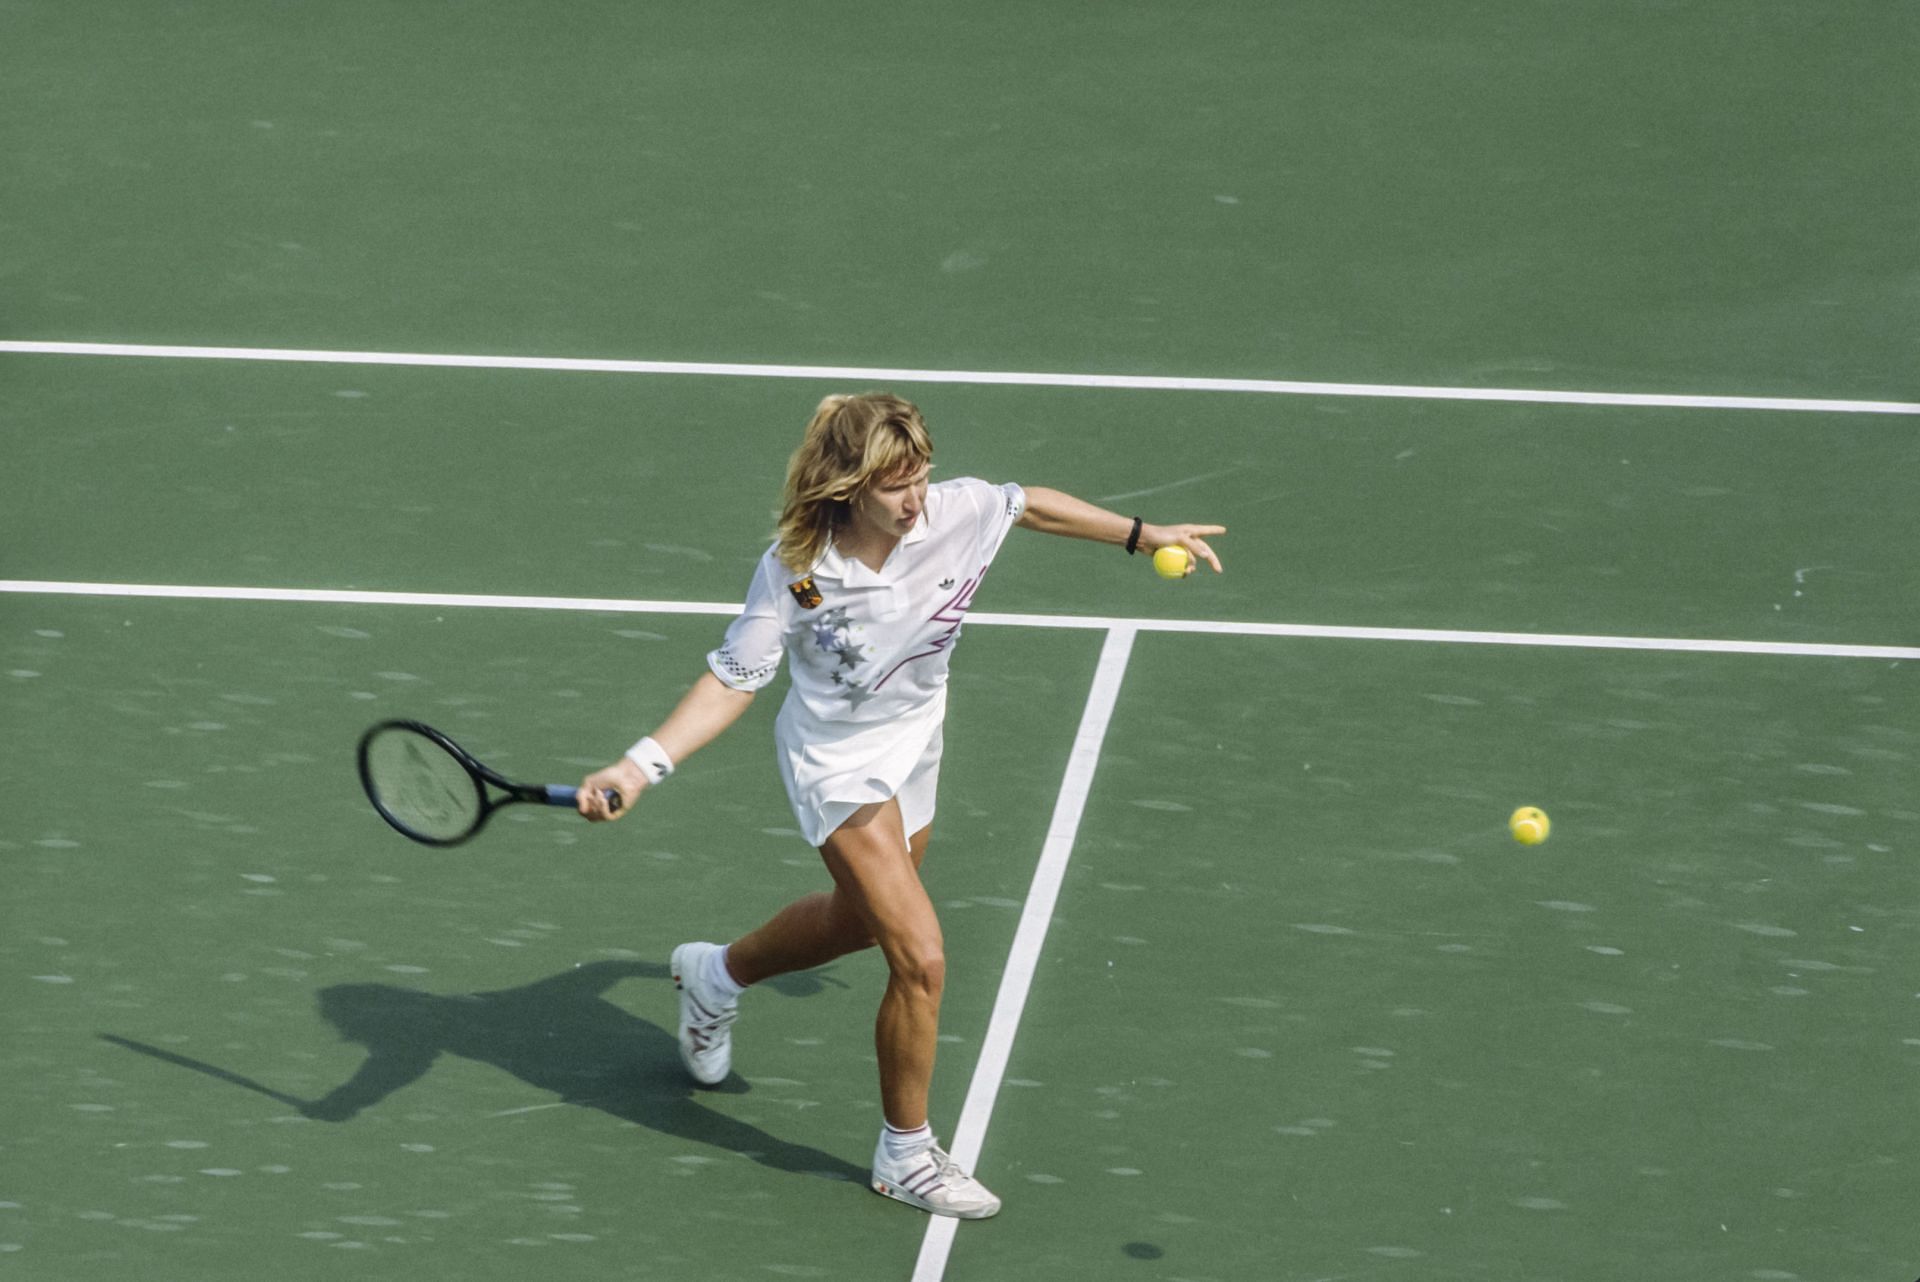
(422, 784)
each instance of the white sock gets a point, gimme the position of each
(717, 977)
(898, 1144)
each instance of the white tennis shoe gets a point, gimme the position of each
(706, 1019)
(933, 1182)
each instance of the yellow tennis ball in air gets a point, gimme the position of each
(1171, 562)
(1530, 825)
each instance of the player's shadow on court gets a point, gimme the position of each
(559, 1034)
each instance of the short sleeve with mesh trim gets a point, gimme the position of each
(749, 656)
(998, 508)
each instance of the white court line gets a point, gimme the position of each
(866, 374)
(1189, 627)
(1017, 980)
(350, 596)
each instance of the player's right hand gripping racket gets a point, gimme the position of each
(432, 790)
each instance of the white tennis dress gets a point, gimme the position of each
(869, 650)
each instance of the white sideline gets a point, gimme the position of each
(1191, 627)
(866, 374)
(1017, 980)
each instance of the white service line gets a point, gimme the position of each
(1017, 980)
(866, 374)
(352, 596)
(1188, 627)
(1548, 640)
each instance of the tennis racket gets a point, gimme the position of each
(432, 790)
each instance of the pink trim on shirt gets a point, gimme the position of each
(953, 612)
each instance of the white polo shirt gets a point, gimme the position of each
(868, 658)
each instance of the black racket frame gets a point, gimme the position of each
(478, 771)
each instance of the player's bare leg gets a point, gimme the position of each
(876, 876)
(810, 931)
(877, 873)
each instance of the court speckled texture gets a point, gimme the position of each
(1304, 1010)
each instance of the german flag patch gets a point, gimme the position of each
(805, 593)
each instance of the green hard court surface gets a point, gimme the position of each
(1303, 1010)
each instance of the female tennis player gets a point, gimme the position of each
(863, 594)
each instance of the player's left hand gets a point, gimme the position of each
(1191, 537)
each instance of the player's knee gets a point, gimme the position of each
(921, 968)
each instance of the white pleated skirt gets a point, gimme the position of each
(831, 769)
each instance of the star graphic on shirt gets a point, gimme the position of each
(833, 634)
(830, 629)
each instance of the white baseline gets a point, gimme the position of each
(1190, 627)
(867, 374)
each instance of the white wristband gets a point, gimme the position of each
(651, 758)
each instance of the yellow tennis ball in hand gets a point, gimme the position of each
(1170, 562)
(1530, 825)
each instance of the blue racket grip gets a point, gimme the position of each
(559, 794)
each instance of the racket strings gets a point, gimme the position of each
(421, 786)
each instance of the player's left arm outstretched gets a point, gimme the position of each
(1052, 512)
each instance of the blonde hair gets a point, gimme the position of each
(850, 443)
